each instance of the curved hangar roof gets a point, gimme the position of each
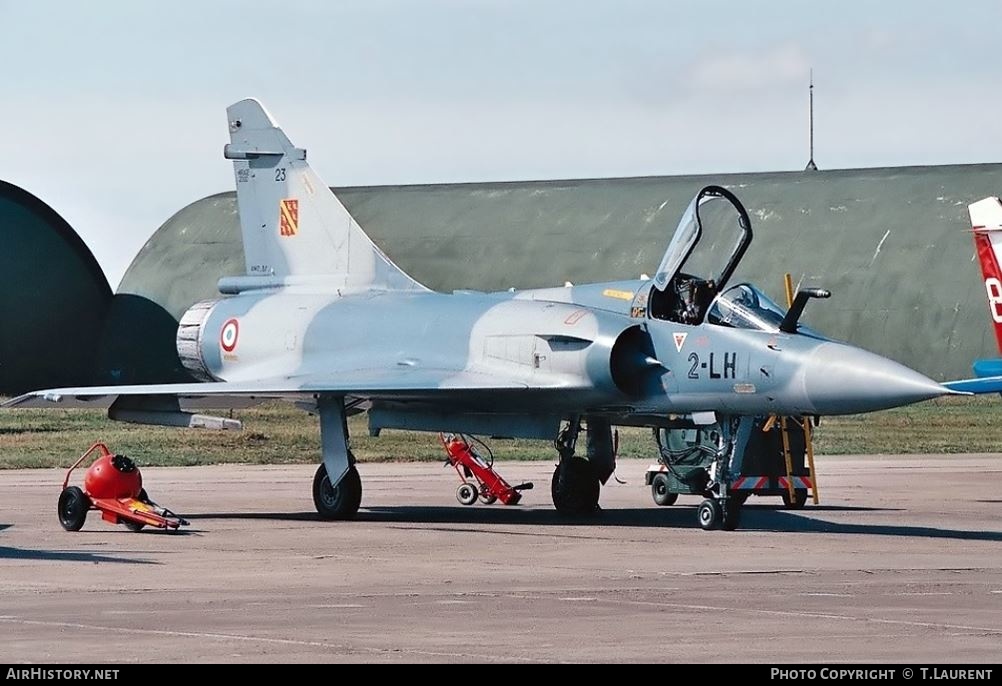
(53, 297)
(890, 243)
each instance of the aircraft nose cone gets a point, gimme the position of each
(842, 379)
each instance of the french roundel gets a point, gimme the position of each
(229, 334)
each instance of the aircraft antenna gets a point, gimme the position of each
(811, 166)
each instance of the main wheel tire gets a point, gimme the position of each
(732, 516)
(467, 493)
(709, 515)
(72, 508)
(799, 499)
(659, 491)
(488, 499)
(575, 487)
(339, 502)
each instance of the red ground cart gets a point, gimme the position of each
(112, 485)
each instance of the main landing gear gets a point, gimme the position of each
(338, 497)
(341, 501)
(574, 487)
(577, 481)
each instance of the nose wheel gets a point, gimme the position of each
(708, 514)
(716, 514)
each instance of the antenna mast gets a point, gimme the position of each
(811, 166)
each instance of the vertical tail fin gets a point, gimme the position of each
(986, 223)
(293, 225)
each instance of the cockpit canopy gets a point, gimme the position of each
(708, 243)
(710, 239)
(689, 285)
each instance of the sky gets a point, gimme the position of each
(113, 112)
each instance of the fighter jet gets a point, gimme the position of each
(324, 319)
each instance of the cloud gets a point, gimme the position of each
(750, 70)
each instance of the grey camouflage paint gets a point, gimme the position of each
(322, 317)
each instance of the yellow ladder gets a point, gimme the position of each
(805, 423)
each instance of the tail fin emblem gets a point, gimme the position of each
(288, 217)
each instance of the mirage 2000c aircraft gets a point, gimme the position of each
(324, 319)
